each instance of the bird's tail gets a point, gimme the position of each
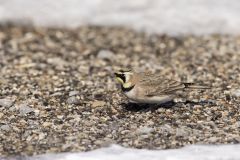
(196, 86)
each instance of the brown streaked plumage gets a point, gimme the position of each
(151, 88)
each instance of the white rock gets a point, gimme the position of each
(105, 54)
(5, 127)
(56, 94)
(25, 109)
(145, 130)
(73, 100)
(236, 93)
(181, 132)
(73, 93)
(56, 61)
(213, 139)
(6, 103)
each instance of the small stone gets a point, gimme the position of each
(73, 100)
(66, 146)
(56, 94)
(12, 109)
(144, 136)
(145, 130)
(166, 128)
(25, 109)
(181, 132)
(98, 104)
(125, 132)
(1, 115)
(5, 127)
(229, 87)
(237, 124)
(6, 103)
(98, 142)
(47, 124)
(197, 106)
(195, 100)
(41, 136)
(236, 93)
(107, 142)
(105, 54)
(56, 61)
(73, 93)
(237, 139)
(213, 139)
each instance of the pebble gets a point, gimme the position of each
(74, 93)
(237, 124)
(57, 61)
(73, 100)
(213, 139)
(236, 93)
(47, 124)
(6, 103)
(1, 115)
(56, 94)
(5, 127)
(145, 130)
(105, 54)
(98, 104)
(25, 109)
(181, 132)
(166, 128)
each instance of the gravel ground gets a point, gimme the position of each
(57, 91)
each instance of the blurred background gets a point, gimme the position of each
(159, 16)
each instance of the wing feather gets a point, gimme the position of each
(157, 85)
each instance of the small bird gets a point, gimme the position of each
(149, 88)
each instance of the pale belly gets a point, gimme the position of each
(134, 96)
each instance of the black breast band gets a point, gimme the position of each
(127, 89)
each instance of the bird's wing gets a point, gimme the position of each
(158, 85)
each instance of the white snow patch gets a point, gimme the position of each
(115, 152)
(159, 16)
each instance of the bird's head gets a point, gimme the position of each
(124, 77)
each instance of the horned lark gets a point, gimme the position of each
(151, 88)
